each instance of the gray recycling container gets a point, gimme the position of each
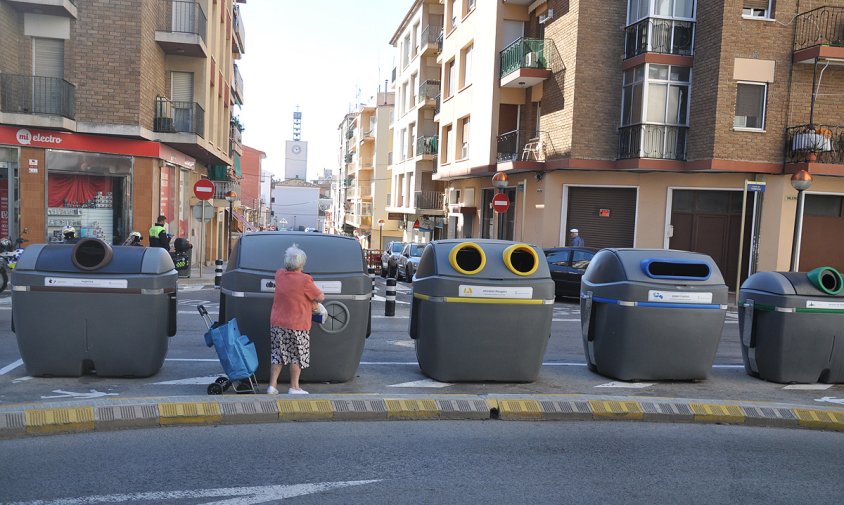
(481, 311)
(792, 326)
(92, 308)
(652, 314)
(337, 265)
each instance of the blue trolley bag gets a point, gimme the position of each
(236, 352)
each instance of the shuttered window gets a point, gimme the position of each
(605, 217)
(48, 57)
(757, 8)
(181, 86)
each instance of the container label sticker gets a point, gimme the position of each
(817, 304)
(678, 297)
(327, 287)
(495, 292)
(65, 282)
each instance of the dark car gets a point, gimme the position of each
(567, 265)
(390, 259)
(409, 261)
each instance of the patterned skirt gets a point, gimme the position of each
(290, 346)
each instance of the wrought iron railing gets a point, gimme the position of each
(653, 141)
(29, 94)
(665, 36)
(819, 27)
(523, 53)
(524, 145)
(430, 35)
(429, 200)
(427, 145)
(817, 143)
(349, 158)
(238, 83)
(178, 117)
(239, 30)
(223, 187)
(437, 104)
(176, 16)
(236, 136)
(350, 133)
(428, 90)
(440, 41)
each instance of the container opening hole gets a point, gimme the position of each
(830, 281)
(522, 260)
(469, 259)
(684, 270)
(90, 254)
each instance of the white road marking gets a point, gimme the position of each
(565, 320)
(195, 313)
(21, 379)
(809, 387)
(240, 495)
(8, 368)
(83, 396)
(403, 343)
(831, 399)
(192, 359)
(425, 383)
(626, 385)
(193, 381)
(407, 316)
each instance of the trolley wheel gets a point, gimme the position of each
(4, 281)
(215, 389)
(221, 380)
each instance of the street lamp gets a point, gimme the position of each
(499, 181)
(381, 233)
(231, 196)
(801, 181)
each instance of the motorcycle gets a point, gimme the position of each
(9, 254)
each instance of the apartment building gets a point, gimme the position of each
(416, 199)
(110, 112)
(646, 136)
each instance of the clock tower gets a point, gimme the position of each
(296, 152)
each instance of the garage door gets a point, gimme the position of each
(606, 217)
(823, 232)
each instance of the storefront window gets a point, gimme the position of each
(184, 208)
(8, 193)
(168, 197)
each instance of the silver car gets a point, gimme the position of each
(409, 261)
(390, 259)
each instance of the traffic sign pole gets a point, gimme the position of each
(203, 189)
(202, 239)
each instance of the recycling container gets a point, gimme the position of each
(481, 311)
(339, 269)
(792, 326)
(652, 314)
(93, 308)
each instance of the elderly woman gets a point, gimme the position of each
(296, 295)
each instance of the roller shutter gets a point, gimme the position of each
(606, 217)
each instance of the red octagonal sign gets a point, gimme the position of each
(203, 189)
(500, 202)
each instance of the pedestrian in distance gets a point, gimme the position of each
(158, 236)
(69, 235)
(575, 240)
(296, 298)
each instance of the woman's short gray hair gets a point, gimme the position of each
(294, 258)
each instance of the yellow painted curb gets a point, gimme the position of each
(519, 409)
(612, 409)
(189, 413)
(303, 410)
(717, 413)
(412, 409)
(72, 419)
(820, 419)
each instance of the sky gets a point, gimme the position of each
(323, 60)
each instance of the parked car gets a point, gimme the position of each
(409, 261)
(567, 265)
(390, 259)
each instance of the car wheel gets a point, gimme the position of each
(394, 271)
(409, 274)
(383, 271)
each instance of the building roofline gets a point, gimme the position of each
(405, 21)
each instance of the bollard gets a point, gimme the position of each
(218, 273)
(390, 304)
(372, 278)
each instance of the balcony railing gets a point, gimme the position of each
(177, 16)
(223, 187)
(236, 137)
(664, 36)
(28, 94)
(238, 85)
(431, 35)
(429, 200)
(178, 117)
(239, 30)
(653, 141)
(437, 104)
(523, 53)
(428, 90)
(427, 145)
(349, 158)
(524, 145)
(819, 27)
(350, 133)
(816, 143)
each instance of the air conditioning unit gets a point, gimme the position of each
(549, 14)
(452, 196)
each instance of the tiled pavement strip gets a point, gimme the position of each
(110, 414)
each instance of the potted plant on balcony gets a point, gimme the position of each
(813, 140)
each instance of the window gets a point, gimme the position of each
(403, 144)
(450, 79)
(406, 54)
(452, 14)
(469, 6)
(415, 38)
(559, 258)
(638, 10)
(445, 143)
(665, 100)
(466, 69)
(581, 259)
(412, 90)
(750, 105)
(760, 9)
(463, 136)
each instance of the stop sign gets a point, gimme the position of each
(203, 189)
(500, 202)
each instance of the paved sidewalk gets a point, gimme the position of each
(206, 279)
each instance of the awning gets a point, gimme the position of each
(247, 226)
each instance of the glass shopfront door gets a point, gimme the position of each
(9, 198)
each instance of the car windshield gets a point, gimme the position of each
(416, 250)
(395, 248)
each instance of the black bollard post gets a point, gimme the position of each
(390, 304)
(218, 273)
(372, 278)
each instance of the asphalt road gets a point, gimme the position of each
(428, 462)
(389, 366)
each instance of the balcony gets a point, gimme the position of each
(64, 8)
(350, 133)
(235, 139)
(437, 104)
(427, 147)
(659, 142)
(815, 144)
(223, 187)
(28, 94)
(428, 93)
(662, 36)
(237, 88)
(819, 33)
(429, 200)
(525, 63)
(522, 145)
(239, 39)
(440, 42)
(178, 117)
(181, 28)
(431, 42)
(349, 158)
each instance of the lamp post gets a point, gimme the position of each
(801, 181)
(499, 181)
(231, 196)
(381, 233)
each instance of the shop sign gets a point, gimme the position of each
(78, 142)
(603, 212)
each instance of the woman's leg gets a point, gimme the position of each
(295, 370)
(275, 371)
(275, 356)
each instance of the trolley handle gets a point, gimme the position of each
(202, 310)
